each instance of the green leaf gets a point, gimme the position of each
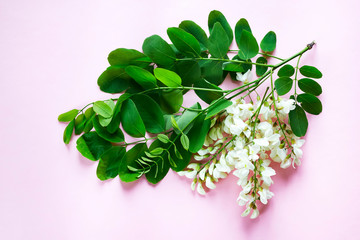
(104, 121)
(80, 124)
(196, 31)
(89, 124)
(189, 72)
(310, 71)
(233, 67)
(180, 156)
(89, 113)
(310, 103)
(103, 109)
(163, 138)
(185, 121)
(218, 42)
(68, 132)
(174, 123)
(68, 116)
(184, 41)
(283, 85)
(143, 77)
(92, 146)
(260, 70)
(217, 107)
(131, 119)
(248, 46)
(109, 163)
(167, 77)
(160, 167)
(212, 72)
(241, 25)
(116, 119)
(286, 71)
(113, 80)
(298, 121)
(123, 57)
(157, 151)
(198, 132)
(117, 136)
(150, 113)
(159, 51)
(310, 86)
(216, 16)
(185, 141)
(129, 159)
(171, 100)
(207, 96)
(268, 43)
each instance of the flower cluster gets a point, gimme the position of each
(244, 140)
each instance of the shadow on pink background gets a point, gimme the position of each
(51, 55)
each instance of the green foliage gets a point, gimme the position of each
(185, 142)
(109, 163)
(159, 51)
(195, 30)
(103, 109)
(143, 77)
(310, 71)
(286, 71)
(217, 107)
(298, 121)
(184, 42)
(150, 113)
(260, 70)
(310, 86)
(248, 46)
(212, 72)
(241, 25)
(207, 96)
(198, 132)
(216, 16)
(189, 72)
(167, 77)
(92, 146)
(80, 122)
(69, 131)
(113, 80)
(130, 160)
(115, 137)
(68, 116)
(218, 42)
(185, 121)
(123, 57)
(283, 85)
(268, 43)
(310, 103)
(131, 119)
(171, 100)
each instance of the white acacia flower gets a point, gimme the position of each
(285, 105)
(245, 78)
(200, 189)
(255, 214)
(265, 194)
(209, 183)
(266, 174)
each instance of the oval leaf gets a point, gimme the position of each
(160, 167)
(184, 41)
(286, 71)
(68, 132)
(167, 77)
(113, 80)
(310, 71)
(268, 43)
(92, 146)
(241, 25)
(207, 96)
(310, 103)
(103, 109)
(184, 141)
(131, 119)
(218, 42)
(198, 133)
(298, 121)
(310, 86)
(150, 113)
(117, 136)
(260, 70)
(159, 50)
(248, 46)
(171, 100)
(217, 16)
(283, 85)
(186, 120)
(129, 159)
(143, 77)
(109, 163)
(195, 30)
(123, 57)
(189, 71)
(68, 116)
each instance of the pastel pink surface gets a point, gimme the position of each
(52, 53)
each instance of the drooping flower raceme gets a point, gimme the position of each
(245, 140)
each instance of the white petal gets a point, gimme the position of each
(255, 214)
(209, 184)
(200, 189)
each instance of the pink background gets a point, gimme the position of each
(51, 55)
